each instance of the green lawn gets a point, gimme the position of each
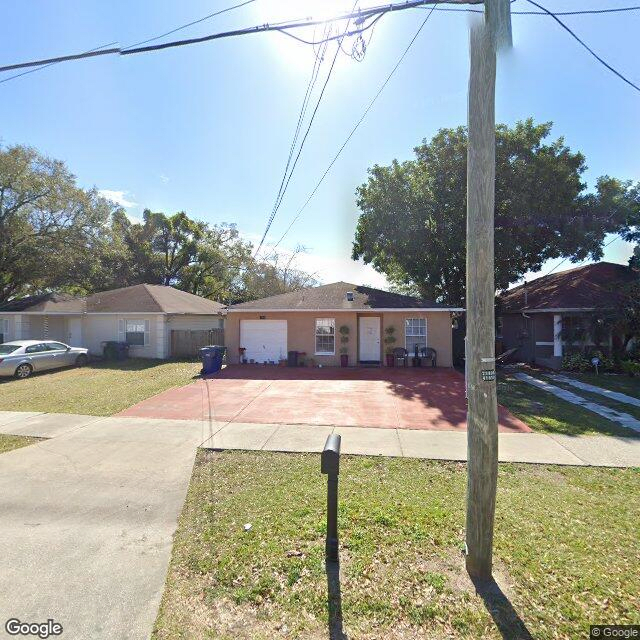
(99, 389)
(600, 399)
(8, 442)
(565, 548)
(545, 412)
(620, 383)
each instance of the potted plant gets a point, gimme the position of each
(344, 349)
(389, 341)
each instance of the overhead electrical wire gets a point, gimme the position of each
(362, 14)
(163, 35)
(317, 63)
(617, 237)
(585, 45)
(50, 64)
(283, 190)
(579, 12)
(190, 24)
(353, 130)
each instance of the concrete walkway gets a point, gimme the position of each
(619, 417)
(87, 517)
(87, 520)
(607, 393)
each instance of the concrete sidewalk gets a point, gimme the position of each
(537, 448)
(87, 520)
(87, 517)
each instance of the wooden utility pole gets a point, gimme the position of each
(482, 416)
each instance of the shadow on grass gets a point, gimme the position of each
(506, 618)
(334, 600)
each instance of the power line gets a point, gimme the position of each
(318, 59)
(355, 128)
(24, 73)
(190, 24)
(617, 237)
(591, 51)
(313, 115)
(401, 6)
(582, 12)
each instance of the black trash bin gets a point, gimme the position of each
(292, 359)
(212, 357)
(114, 350)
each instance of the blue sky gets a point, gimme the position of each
(207, 128)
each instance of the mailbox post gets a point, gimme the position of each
(330, 465)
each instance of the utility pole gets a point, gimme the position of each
(482, 414)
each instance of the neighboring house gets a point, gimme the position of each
(142, 315)
(532, 316)
(309, 321)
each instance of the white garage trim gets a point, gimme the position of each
(264, 340)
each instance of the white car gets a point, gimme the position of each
(20, 358)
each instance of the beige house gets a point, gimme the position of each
(310, 321)
(144, 316)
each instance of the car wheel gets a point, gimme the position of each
(23, 371)
(81, 360)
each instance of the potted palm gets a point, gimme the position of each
(344, 349)
(389, 341)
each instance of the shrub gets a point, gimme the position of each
(630, 367)
(576, 362)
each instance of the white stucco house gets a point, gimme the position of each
(143, 315)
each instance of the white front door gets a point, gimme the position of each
(369, 338)
(264, 340)
(74, 329)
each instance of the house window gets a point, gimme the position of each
(415, 334)
(134, 332)
(325, 336)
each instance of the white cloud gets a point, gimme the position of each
(163, 177)
(119, 197)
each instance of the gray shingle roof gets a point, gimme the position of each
(580, 288)
(140, 298)
(334, 297)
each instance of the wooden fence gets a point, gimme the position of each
(185, 343)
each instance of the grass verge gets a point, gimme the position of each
(8, 442)
(565, 545)
(618, 382)
(546, 413)
(99, 389)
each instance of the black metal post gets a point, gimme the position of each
(330, 465)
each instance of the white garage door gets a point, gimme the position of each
(264, 340)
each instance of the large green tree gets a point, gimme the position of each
(49, 227)
(413, 220)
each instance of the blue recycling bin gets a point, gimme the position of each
(212, 358)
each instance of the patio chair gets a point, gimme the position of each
(427, 353)
(400, 354)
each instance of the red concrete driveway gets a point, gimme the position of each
(387, 398)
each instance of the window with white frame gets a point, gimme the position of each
(415, 334)
(325, 336)
(134, 332)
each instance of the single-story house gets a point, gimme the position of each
(310, 321)
(532, 316)
(143, 315)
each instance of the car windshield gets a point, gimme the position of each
(6, 349)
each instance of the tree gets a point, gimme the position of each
(412, 225)
(49, 227)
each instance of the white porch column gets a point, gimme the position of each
(557, 339)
